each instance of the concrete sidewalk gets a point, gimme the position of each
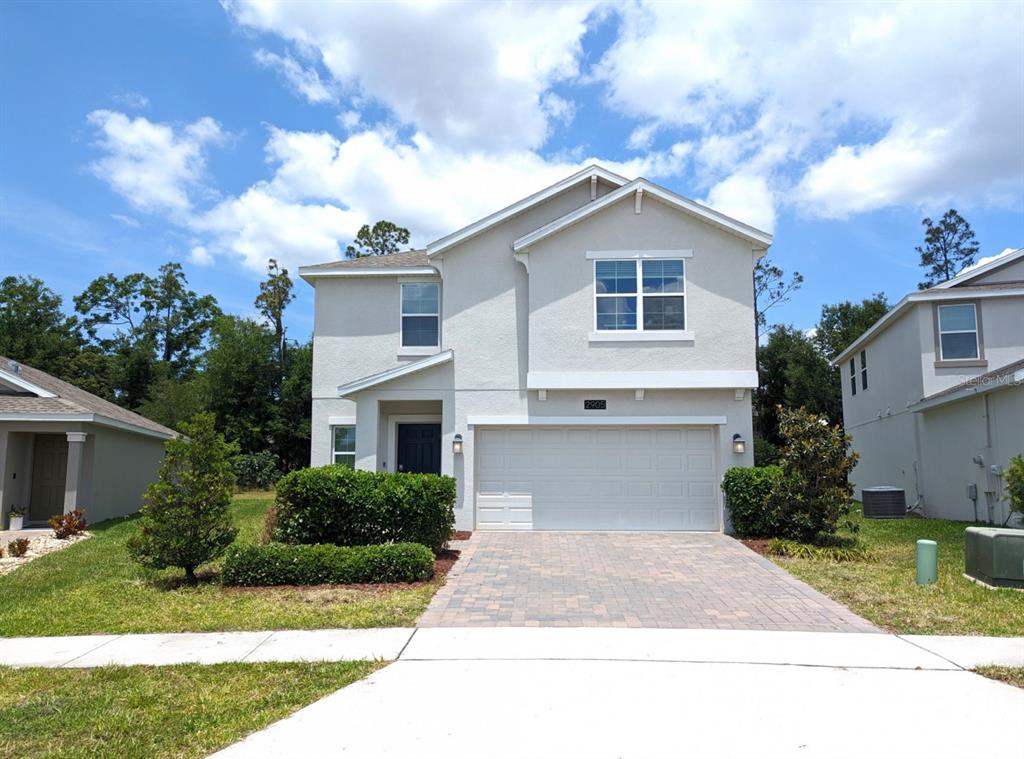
(874, 651)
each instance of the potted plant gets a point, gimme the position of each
(16, 517)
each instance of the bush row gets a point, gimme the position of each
(350, 507)
(281, 564)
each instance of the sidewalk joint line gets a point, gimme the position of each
(270, 635)
(91, 650)
(958, 668)
(933, 653)
(406, 644)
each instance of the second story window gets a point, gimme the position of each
(420, 314)
(640, 295)
(958, 332)
(863, 370)
(853, 376)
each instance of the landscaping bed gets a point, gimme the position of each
(37, 546)
(93, 587)
(187, 710)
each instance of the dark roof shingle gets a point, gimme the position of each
(389, 261)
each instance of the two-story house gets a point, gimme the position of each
(933, 392)
(582, 359)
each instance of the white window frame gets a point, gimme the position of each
(864, 370)
(417, 350)
(853, 375)
(335, 453)
(976, 331)
(637, 259)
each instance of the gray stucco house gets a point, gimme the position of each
(582, 359)
(933, 392)
(62, 448)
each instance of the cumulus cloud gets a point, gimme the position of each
(470, 73)
(305, 81)
(745, 197)
(200, 256)
(153, 166)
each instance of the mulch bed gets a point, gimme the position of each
(757, 545)
(462, 535)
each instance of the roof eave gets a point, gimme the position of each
(997, 263)
(970, 391)
(350, 388)
(397, 271)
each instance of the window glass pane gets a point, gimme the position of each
(344, 439)
(663, 313)
(348, 459)
(419, 298)
(956, 318)
(663, 276)
(419, 331)
(615, 276)
(616, 313)
(959, 345)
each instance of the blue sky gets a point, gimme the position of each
(218, 135)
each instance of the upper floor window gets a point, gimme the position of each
(863, 370)
(420, 314)
(343, 445)
(853, 376)
(958, 332)
(640, 295)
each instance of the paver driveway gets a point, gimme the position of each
(594, 579)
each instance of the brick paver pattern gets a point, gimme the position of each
(595, 579)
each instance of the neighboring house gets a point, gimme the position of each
(62, 448)
(933, 392)
(582, 359)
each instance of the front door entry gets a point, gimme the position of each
(419, 448)
(49, 472)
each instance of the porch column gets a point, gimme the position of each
(73, 480)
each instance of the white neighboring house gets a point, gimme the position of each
(62, 448)
(933, 392)
(582, 359)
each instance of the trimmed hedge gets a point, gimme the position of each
(351, 507)
(281, 564)
(748, 493)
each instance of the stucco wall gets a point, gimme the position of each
(1012, 273)
(124, 464)
(16, 468)
(719, 294)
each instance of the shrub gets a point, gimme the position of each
(185, 520)
(814, 494)
(794, 550)
(350, 507)
(748, 493)
(16, 548)
(256, 471)
(1014, 476)
(766, 453)
(66, 525)
(283, 564)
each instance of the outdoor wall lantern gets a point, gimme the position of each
(739, 445)
(457, 445)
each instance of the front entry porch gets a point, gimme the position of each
(44, 472)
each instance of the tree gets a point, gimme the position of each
(383, 238)
(34, 329)
(1014, 476)
(171, 401)
(275, 295)
(842, 323)
(185, 521)
(793, 373)
(770, 289)
(290, 430)
(949, 247)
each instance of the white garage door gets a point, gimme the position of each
(596, 478)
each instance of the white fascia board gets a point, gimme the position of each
(921, 297)
(103, 421)
(594, 421)
(497, 217)
(1008, 380)
(404, 271)
(760, 240)
(967, 276)
(692, 380)
(391, 374)
(18, 381)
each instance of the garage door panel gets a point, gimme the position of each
(597, 479)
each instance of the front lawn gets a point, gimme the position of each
(187, 710)
(93, 587)
(885, 592)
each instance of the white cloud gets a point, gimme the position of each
(125, 221)
(153, 166)
(745, 197)
(305, 81)
(200, 256)
(134, 100)
(472, 74)
(839, 108)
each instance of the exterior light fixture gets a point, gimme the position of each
(457, 445)
(739, 445)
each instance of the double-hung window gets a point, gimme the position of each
(421, 314)
(642, 295)
(863, 370)
(343, 445)
(958, 332)
(853, 376)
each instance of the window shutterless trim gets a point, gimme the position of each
(335, 452)
(598, 334)
(979, 336)
(403, 348)
(853, 376)
(863, 370)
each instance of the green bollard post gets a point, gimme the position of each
(927, 562)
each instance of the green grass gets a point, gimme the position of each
(1011, 675)
(188, 710)
(884, 590)
(93, 587)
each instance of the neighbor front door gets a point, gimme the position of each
(419, 448)
(49, 471)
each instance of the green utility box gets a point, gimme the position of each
(995, 556)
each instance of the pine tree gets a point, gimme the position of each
(949, 247)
